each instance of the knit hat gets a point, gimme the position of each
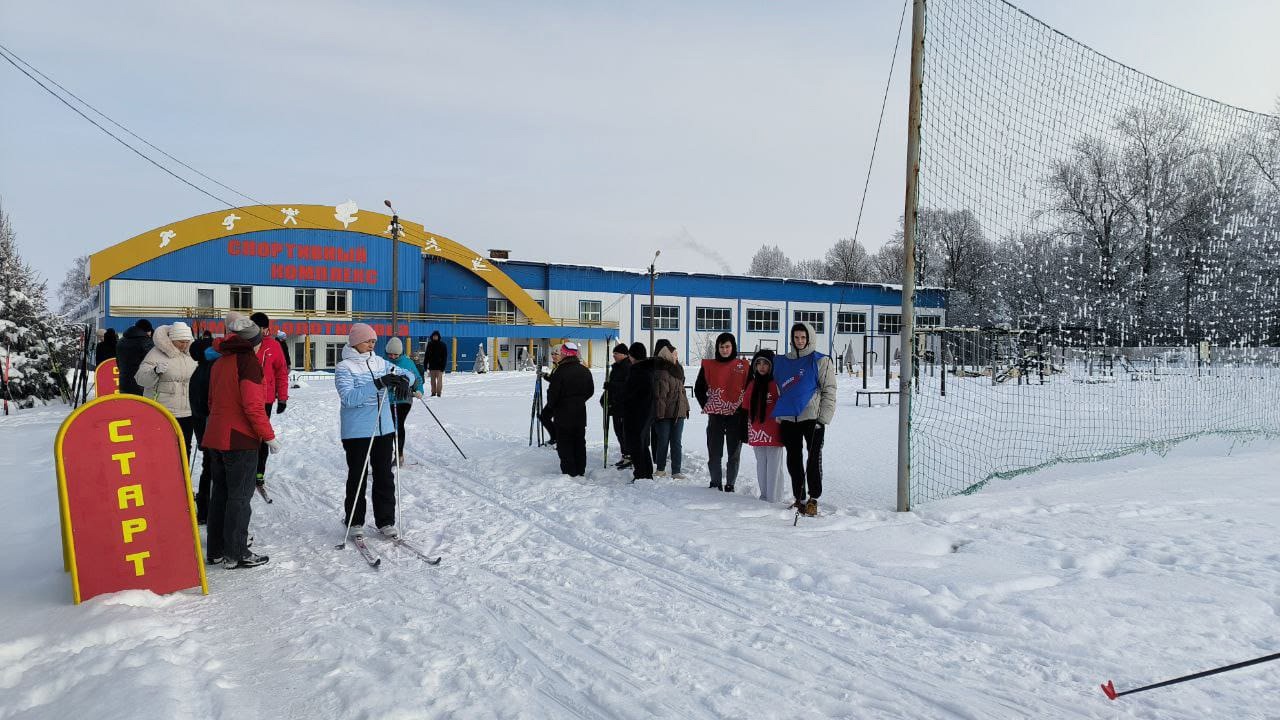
(232, 316)
(261, 320)
(569, 349)
(143, 324)
(638, 352)
(663, 343)
(280, 335)
(245, 329)
(395, 346)
(621, 348)
(360, 332)
(180, 331)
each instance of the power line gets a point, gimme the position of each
(10, 58)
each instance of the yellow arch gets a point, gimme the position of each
(255, 218)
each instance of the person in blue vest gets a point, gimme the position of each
(806, 403)
(404, 402)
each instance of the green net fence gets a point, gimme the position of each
(1111, 246)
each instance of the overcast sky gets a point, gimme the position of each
(587, 132)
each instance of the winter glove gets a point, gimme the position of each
(274, 445)
(819, 436)
(389, 380)
(161, 368)
(280, 406)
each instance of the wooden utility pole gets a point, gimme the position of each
(905, 369)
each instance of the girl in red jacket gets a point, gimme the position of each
(764, 435)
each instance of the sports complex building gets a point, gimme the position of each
(316, 269)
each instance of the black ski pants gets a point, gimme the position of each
(206, 470)
(795, 435)
(229, 509)
(401, 411)
(381, 477)
(571, 446)
(640, 441)
(620, 432)
(264, 451)
(724, 438)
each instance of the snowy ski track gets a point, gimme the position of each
(592, 598)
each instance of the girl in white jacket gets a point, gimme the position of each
(165, 374)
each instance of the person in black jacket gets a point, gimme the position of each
(106, 347)
(198, 388)
(567, 399)
(129, 354)
(639, 400)
(615, 388)
(437, 356)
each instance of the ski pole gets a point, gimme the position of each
(395, 454)
(446, 432)
(1110, 689)
(363, 472)
(533, 409)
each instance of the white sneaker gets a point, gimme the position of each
(659, 473)
(389, 531)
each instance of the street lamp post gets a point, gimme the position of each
(395, 266)
(652, 314)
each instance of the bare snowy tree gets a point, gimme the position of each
(847, 261)
(75, 288)
(886, 263)
(809, 269)
(770, 261)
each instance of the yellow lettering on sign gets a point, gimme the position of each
(123, 459)
(130, 493)
(136, 558)
(132, 527)
(113, 430)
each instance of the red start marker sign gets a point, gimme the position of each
(106, 378)
(125, 493)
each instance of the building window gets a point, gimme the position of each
(851, 322)
(762, 321)
(714, 319)
(590, 311)
(332, 354)
(928, 321)
(666, 317)
(889, 324)
(241, 297)
(300, 349)
(335, 301)
(501, 311)
(815, 318)
(204, 298)
(304, 299)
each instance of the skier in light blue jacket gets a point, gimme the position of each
(367, 385)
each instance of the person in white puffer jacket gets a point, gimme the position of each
(165, 374)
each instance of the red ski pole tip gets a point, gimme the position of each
(1109, 689)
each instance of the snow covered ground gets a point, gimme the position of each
(590, 598)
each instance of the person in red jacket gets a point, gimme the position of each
(275, 381)
(237, 425)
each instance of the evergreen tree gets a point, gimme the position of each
(36, 347)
